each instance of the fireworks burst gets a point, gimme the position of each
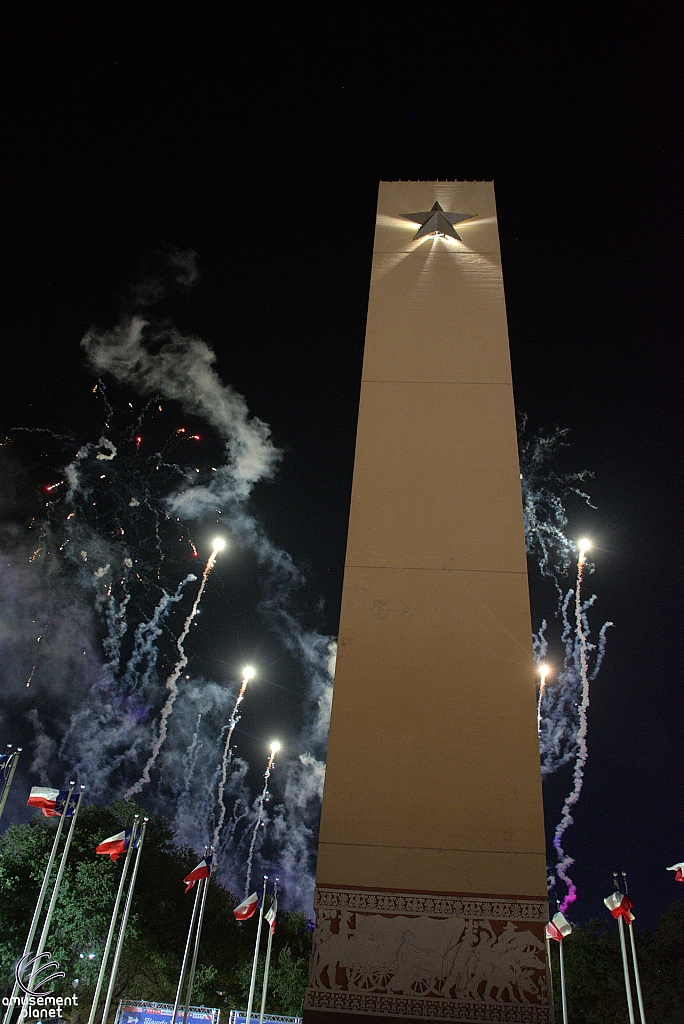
(172, 681)
(564, 861)
(247, 674)
(275, 747)
(543, 673)
(97, 593)
(562, 710)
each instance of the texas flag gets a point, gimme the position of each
(679, 868)
(248, 907)
(620, 906)
(203, 870)
(558, 928)
(270, 915)
(50, 801)
(115, 845)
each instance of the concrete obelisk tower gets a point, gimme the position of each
(431, 883)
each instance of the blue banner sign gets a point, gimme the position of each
(240, 1017)
(141, 1012)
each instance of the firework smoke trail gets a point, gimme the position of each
(191, 755)
(248, 673)
(544, 491)
(565, 861)
(275, 747)
(146, 635)
(172, 681)
(543, 672)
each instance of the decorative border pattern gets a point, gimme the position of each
(442, 906)
(401, 1007)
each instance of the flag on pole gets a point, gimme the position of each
(4, 761)
(558, 928)
(620, 906)
(679, 868)
(51, 801)
(248, 907)
(270, 916)
(115, 845)
(203, 870)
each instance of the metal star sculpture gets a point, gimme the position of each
(437, 222)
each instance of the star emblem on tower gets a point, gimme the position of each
(437, 222)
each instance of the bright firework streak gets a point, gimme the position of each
(564, 861)
(172, 681)
(247, 674)
(275, 747)
(543, 673)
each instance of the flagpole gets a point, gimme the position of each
(124, 923)
(256, 956)
(625, 965)
(39, 903)
(58, 882)
(564, 1001)
(274, 907)
(112, 923)
(14, 757)
(548, 961)
(640, 999)
(193, 965)
(184, 964)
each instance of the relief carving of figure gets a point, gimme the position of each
(450, 958)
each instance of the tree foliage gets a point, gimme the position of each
(594, 973)
(158, 925)
(161, 914)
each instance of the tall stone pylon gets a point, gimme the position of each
(431, 883)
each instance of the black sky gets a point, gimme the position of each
(258, 143)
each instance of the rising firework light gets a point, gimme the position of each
(562, 707)
(258, 820)
(102, 596)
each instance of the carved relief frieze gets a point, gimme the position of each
(429, 956)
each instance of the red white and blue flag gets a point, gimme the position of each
(558, 928)
(4, 761)
(203, 870)
(270, 915)
(620, 906)
(679, 869)
(115, 845)
(51, 801)
(248, 907)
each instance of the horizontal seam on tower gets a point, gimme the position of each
(440, 849)
(437, 255)
(430, 568)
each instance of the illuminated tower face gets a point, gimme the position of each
(431, 881)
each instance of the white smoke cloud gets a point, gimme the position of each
(109, 609)
(161, 360)
(43, 746)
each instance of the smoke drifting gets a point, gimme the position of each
(97, 589)
(564, 702)
(162, 361)
(97, 585)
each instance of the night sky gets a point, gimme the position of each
(130, 131)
